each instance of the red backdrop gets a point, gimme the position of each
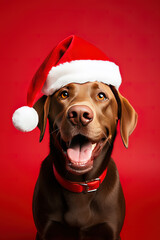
(128, 32)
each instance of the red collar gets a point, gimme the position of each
(79, 187)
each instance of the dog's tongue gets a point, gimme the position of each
(80, 152)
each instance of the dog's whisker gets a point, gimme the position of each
(56, 120)
(58, 117)
(108, 138)
(104, 134)
(57, 134)
(56, 130)
(108, 141)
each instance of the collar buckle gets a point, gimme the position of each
(87, 187)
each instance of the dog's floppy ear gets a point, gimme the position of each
(42, 108)
(128, 119)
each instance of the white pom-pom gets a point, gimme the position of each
(25, 119)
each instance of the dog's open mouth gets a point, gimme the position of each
(80, 153)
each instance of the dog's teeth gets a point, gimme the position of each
(93, 146)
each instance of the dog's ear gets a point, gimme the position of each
(128, 119)
(42, 108)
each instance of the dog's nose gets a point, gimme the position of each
(80, 114)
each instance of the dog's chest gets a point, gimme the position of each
(78, 211)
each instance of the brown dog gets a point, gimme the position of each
(83, 120)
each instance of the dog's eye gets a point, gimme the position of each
(64, 95)
(101, 96)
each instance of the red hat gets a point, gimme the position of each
(73, 60)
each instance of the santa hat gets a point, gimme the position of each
(73, 60)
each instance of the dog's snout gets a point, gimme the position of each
(80, 114)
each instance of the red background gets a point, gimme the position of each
(128, 32)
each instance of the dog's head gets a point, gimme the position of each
(83, 120)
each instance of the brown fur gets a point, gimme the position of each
(58, 213)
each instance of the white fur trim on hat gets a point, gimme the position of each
(25, 119)
(82, 71)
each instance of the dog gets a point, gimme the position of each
(83, 120)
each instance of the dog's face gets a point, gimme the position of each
(84, 117)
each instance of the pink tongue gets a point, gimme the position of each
(80, 154)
